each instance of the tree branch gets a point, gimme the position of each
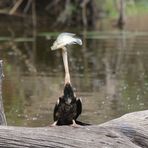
(2, 114)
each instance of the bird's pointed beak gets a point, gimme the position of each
(52, 48)
(55, 46)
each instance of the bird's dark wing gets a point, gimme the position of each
(79, 107)
(56, 108)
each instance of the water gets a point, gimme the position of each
(109, 72)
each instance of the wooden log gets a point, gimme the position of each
(128, 131)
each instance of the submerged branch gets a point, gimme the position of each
(27, 61)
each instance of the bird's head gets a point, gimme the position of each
(65, 39)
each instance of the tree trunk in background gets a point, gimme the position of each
(121, 5)
(2, 114)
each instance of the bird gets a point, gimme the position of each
(68, 107)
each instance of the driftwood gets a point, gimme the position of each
(128, 131)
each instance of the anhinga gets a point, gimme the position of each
(68, 106)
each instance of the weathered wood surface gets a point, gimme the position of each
(128, 131)
(2, 114)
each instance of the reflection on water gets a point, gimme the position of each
(110, 74)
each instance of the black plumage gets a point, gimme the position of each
(67, 108)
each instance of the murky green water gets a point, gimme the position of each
(109, 72)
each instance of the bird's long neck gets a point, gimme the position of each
(65, 61)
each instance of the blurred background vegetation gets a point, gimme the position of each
(70, 13)
(109, 71)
